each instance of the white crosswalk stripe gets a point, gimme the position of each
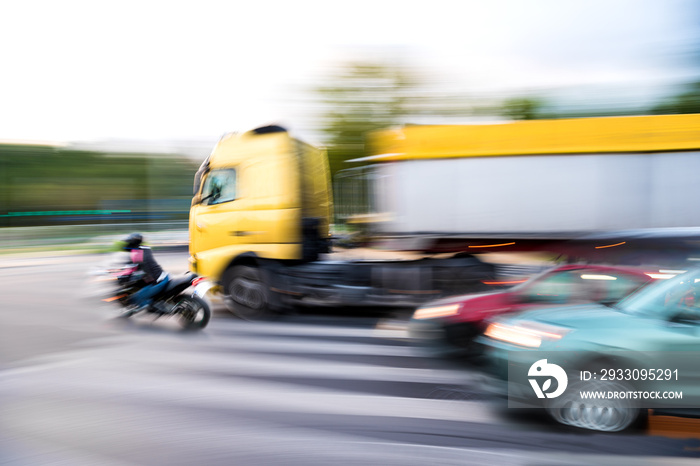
(234, 360)
(290, 382)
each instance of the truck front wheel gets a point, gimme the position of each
(246, 293)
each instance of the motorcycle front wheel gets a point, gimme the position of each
(194, 312)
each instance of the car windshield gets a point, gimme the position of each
(680, 294)
(578, 285)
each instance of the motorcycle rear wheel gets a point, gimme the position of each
(194, 312)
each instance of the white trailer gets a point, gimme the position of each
(535, 179)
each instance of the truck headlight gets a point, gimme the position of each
(437, 311)
(530, 335)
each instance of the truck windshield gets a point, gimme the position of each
(219, 187)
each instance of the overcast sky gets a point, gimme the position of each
(141, 69)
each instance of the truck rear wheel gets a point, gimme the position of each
(246, 293)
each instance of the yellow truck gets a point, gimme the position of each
(610, 189)
(259, 226)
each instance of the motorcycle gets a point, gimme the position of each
(191, 308)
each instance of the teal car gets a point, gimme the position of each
(603, 367)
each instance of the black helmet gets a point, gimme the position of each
(133, 241)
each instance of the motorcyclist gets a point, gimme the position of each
(156, 279)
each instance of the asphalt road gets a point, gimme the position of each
(79, 387)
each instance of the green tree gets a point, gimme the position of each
(359, 98)
(522, 108)
(687, 101)
(38, 180)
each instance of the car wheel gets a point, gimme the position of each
(603, 415)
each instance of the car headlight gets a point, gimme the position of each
(437, 311)
(530, 335)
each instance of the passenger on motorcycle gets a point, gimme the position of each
(156, 279)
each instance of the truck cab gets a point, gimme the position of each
(260, 197)
(260, 222)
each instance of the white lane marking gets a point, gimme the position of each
(283, 345)
(42, 367)
(233, 393)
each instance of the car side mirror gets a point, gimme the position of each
(685, 317)
(542, 298)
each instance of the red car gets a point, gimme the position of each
(450, 325)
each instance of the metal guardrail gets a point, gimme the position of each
(94, 235)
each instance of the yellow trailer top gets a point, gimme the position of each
(659, 133)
